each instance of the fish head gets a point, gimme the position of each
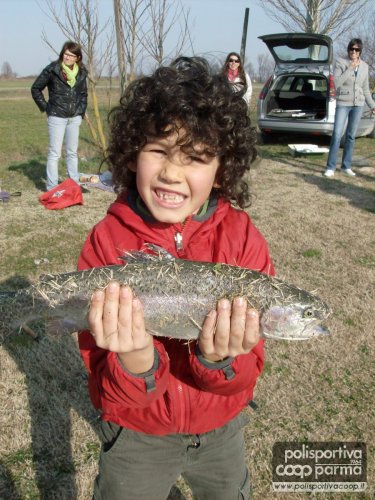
(299, 320)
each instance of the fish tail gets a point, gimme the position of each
(34, 335)
(12, 320)
(65, 324)
(56, 326)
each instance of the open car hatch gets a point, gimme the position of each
(290, 49)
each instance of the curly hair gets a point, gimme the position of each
(184, 96)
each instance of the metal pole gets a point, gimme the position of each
(244, 35)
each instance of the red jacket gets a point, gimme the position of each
(183, 393)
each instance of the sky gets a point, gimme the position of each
(216, 29)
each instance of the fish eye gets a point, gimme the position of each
(308, 313)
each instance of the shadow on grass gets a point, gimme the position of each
(285, 158)
(274, 139)
(56, 383)
(34, 170)
(15, 282)
(8, 489)
(357, 196)
(311, 171)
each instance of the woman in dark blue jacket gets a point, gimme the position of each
(65, 80)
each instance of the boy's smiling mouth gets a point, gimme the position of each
(169, 197)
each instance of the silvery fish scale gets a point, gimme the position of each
(176, 295)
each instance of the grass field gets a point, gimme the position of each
(321, 234)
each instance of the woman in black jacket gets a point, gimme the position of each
(65, 80)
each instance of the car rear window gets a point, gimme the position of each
(301, 54)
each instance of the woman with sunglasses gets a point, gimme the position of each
(352, 90)
(65, 80)
(237, 77)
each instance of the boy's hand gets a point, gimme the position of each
(117, 324)
(229, 331)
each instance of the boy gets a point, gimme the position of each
(180, 144)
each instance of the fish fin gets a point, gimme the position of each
(269, 336)
(159, 253)
(60, 326)
(155, 333)
(35, 336)
(137, 255)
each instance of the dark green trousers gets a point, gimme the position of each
(137, 466)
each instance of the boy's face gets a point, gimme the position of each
(174, 184)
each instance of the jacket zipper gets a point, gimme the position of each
(178, 241)
(179, 389)
(182, 403)
(178, 237)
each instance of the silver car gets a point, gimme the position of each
(300, 96)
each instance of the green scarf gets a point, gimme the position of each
(70, 73)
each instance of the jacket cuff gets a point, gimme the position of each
(224, 364)
(149, 376)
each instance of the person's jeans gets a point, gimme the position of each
(58, 129)
(353, 115)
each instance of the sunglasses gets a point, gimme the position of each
(234, 60)
(356, 49)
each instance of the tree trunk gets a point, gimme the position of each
(120, 45)
(99, 137)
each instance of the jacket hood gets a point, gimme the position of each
(129, 214)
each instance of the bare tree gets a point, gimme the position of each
(365, 30)
(120, 41)
(329, 17)
(6, 70)
(369, 43)
(142, 28)
(164, 16)
(135, 14)
(265, 67)
(78, 20)
(249, 67)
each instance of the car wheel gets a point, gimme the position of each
(264, 138)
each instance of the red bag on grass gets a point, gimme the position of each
(64, 195)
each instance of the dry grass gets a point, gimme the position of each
(321, 237)
(322, 390)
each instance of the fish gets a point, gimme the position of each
(176, 294)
